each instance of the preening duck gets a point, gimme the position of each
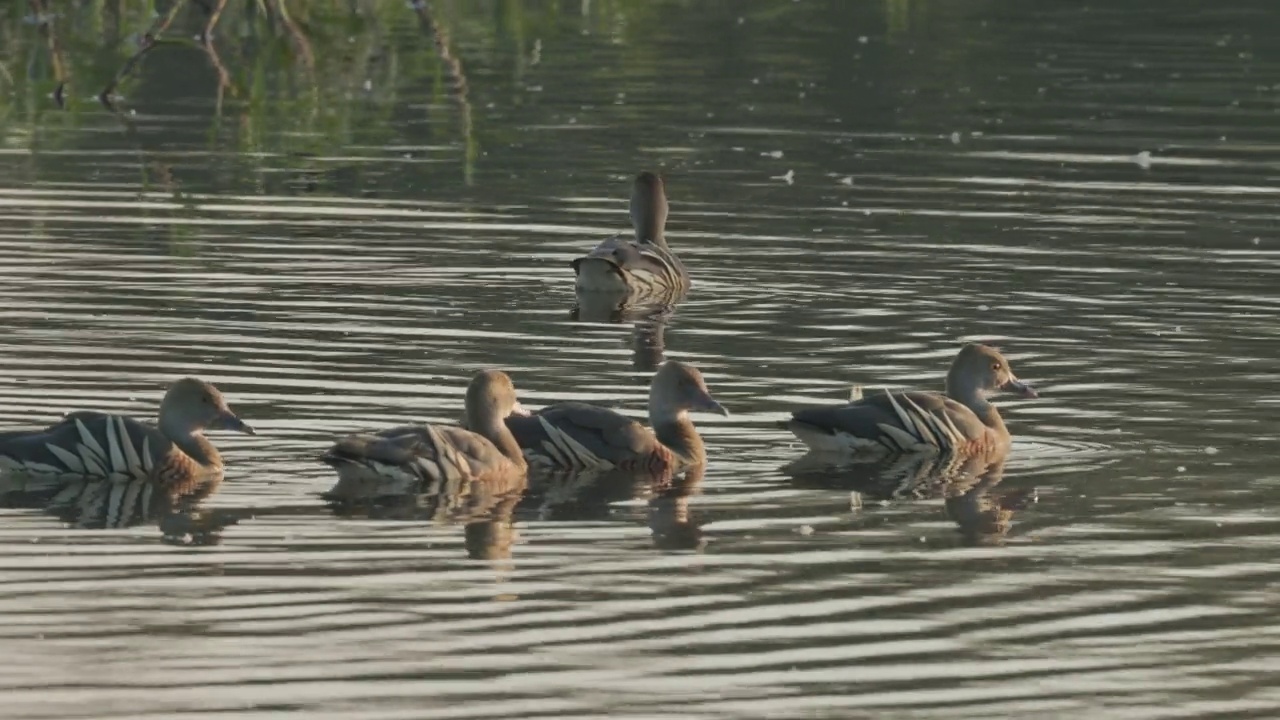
(643, 265)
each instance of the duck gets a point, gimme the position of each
(435, 459)
(89, 446)
(576, 436)
(644, 265)
(960, 420)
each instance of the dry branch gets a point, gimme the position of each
(149, 41)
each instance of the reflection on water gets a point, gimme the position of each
(596, 495)
(648, 319)
(484, 509)
(175, 509)
(967, 483)
(341, 215)
(674, 524)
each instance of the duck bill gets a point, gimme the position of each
(519, 410)
(228, 420)
(708, 404)
(1017, 387)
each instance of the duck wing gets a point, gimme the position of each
(580, 436)
(85, 445)
(415, 459)
(893, 421)
(626, 263)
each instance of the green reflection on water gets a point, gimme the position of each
(340, 96)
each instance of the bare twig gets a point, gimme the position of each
(441, 37)
(299, 39)
(111, 22)
(206, 40)
(45, 18)
(214, 14)
(454, 67)
(149, 41)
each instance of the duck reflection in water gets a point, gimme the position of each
(648, 332)
(584, 495)
(591, 496)
(115, 505)
(985, 517)
(966, 483)
(483, 506)
(672, 522)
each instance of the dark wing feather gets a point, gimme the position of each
(407, 443)
(927, 417)
(576, 435)
(642, 264)
(387, 448)
(410, 455)
(476, 449)
(85, 444)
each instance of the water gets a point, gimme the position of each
(340, 255)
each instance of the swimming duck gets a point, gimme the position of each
(435, 459)
(580, 436)
(91, 446)
(641, 265)
(961, 420)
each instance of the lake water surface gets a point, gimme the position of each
(357, 221)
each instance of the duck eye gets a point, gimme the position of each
(995, 366)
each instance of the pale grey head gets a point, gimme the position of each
(678, 388)
(981, 370)
(491, 396)
(192, 406)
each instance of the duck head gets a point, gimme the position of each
(491, 396)
(981, 369)
(193, 405)
(678, 388)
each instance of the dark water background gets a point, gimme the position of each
(357, 221)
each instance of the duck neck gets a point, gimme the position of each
(189, 438)
(494, 429)
(649, 218)
(644, 234)
(675, 430)
(198, 448)
(976, 401)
